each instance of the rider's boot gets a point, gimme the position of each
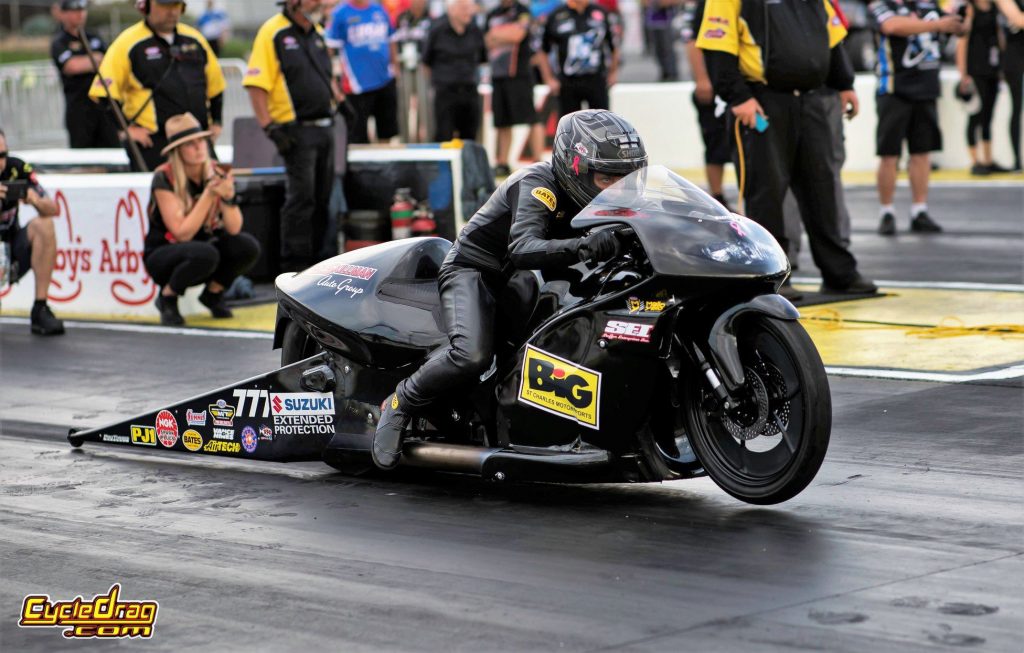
(387, 441)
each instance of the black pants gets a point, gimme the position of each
(469, 305)
(456, 109)
(220, 259)
(1013, 69)
(309, 167)
(663, 39)
(795, 151)
(988, 90)
(89, 125)
(592, 89)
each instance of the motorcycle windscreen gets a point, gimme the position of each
(684, 231)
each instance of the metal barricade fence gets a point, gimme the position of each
(32, 103)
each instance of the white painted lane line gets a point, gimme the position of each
(1013, 372)
(932, 285)
(154, 328)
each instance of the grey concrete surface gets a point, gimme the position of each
(909, 539)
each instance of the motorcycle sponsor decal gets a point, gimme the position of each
(216, 446)
(255, 399)
(340, 285)
(561, 387)
(223, 434)
(195, 419)
(115, 439)
(304, 424)
(249, 440)
(637, 305)
(143, 435)
(329, 267)
(223, 414)
(581, 148)
(192, 440)
(546, 197)
(266, 433)
(302, 403)
(166, 428)
(103, 617)
(630, 331)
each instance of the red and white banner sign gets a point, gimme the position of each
(101, 227)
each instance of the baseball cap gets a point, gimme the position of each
(71, 5)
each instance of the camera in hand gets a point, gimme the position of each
(16, 190)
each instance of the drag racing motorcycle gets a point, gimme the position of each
(673, 360)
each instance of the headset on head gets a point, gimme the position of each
(143, 6)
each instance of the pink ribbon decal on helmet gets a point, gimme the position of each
(576, 165)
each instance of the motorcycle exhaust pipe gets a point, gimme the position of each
(457, 458)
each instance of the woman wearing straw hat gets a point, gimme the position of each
(195, 226)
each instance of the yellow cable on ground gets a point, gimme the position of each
(949, 327)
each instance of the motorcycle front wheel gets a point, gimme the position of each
(768, 448)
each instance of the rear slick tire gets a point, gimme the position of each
(296, 344)
(769, 448)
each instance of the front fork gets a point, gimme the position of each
(723, 369)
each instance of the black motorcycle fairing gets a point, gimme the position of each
(722, 338)
(684, 232)
(382, 301)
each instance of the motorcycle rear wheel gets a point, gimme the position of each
(296, 344)
(770, 447)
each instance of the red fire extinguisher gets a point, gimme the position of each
(423, 223)
(401, 214)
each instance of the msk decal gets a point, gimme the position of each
(266, 433)
(630, 331)
(546, 197)
(561, 387)
(143, 435)
(249, 440)
(192, 440)
(637, 305)
(166, 428)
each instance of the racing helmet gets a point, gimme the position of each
(594, 140)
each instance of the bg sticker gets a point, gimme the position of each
(546, 197)
(558, 386)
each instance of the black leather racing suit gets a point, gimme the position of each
(524, 225)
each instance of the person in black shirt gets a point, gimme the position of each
(908, 86)
(770, 61)
(195, 226)
(158, 68)
(978, 58)
(294, 98)
(33, 246)
(1013, 70)
(583, 34)
(507, 35)
(88, 124)
(453, 50)
(526, 225)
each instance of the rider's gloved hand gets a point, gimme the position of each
(599, 246)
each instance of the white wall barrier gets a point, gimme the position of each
(667, 120)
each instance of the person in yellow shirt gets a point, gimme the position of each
(771, 62)
(159, 68)
(294, 98)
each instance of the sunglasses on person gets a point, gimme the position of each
(3, 155)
